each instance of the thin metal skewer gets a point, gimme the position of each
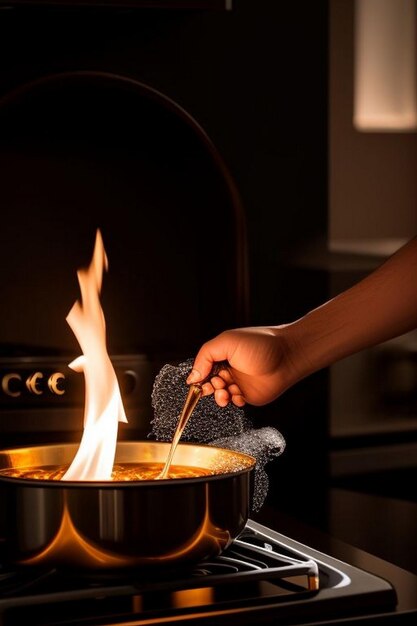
(194, 394)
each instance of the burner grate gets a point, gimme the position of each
(248, 560)
(261, 573)
(244, 562)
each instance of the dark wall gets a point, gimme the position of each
(255, 79)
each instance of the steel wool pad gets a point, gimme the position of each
(225, 427)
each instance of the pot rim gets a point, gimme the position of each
(129, 484)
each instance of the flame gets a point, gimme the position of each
(103, 403)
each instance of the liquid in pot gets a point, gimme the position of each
(121, 472)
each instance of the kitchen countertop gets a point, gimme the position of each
(380, 524)
(350, 543)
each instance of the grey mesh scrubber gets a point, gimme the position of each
(227, 427)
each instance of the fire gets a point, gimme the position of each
(103, 403)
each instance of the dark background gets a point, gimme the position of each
(255, 80)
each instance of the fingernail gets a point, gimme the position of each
(194, 376)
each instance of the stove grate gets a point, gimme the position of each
(248, 559)
(261, 573)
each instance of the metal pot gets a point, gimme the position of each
(107, 525)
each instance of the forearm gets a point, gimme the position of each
(381, 306)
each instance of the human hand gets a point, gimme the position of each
(258, 369)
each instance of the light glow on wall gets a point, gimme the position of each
(385, 65)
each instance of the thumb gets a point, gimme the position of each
(201, 369)
(203, 362)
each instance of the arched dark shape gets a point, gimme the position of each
(87, 150)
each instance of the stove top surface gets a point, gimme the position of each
(262, 576)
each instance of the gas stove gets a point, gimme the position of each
(263, 577)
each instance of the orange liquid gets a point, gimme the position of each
(121, 472)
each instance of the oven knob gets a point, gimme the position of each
(32, 383)
(55, 383)
(10, 387)
(128, 382)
